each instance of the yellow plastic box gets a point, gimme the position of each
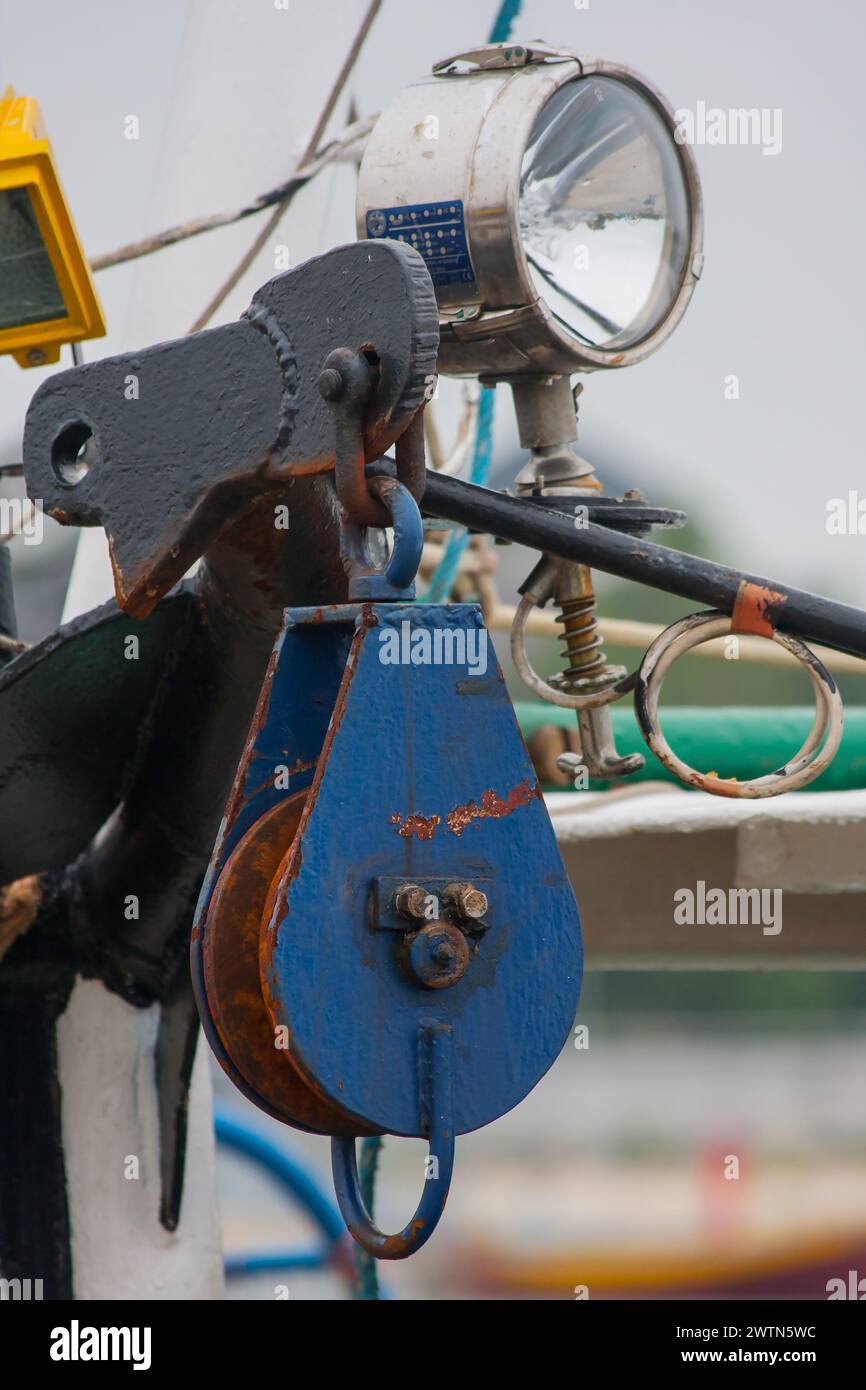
(47, 295)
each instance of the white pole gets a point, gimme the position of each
(111, 1151)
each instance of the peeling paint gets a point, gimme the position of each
(422, 826)
(490, 807)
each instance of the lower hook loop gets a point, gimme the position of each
(434, 1061)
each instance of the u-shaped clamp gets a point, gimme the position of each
(434, 1046)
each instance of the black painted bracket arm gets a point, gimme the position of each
(166, 446)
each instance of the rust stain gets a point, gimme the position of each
(237, 801)
(393, 1247)
(300, 766)
(490, 807)
(422, 826)
(756, 609)
(119, 589)
(232, 932)
(245, 798)
(721, 786)
(19, 904)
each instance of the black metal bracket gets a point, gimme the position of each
(166, 446)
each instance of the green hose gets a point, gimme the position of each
(734, 741)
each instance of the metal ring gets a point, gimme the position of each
(394, 580)
(408, 527)
(536, 683)
(807, 764)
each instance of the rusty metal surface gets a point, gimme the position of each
(19, 905)
(291, 744)
(240, 904)
(346, 383)
(756, 609)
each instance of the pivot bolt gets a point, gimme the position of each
(412, 901)
(331, 384)
(443, 954)
(438, 955)
(466, 900)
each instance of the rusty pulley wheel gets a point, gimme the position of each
(241, 904)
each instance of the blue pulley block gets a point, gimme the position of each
(387, 940)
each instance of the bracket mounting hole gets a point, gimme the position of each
(73, 453)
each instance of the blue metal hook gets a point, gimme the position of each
(395, 580)
(434, 1047)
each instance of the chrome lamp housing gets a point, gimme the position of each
(559, 214)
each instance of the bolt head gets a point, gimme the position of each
(412, 901)
(331, 384)
(467, 900)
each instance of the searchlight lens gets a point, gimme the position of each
(604, 212)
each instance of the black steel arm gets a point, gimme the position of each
(517, 519)
(167, 446)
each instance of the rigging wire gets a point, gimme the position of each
(343, 147)
(314, 158)
(276, 216)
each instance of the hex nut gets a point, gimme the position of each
(466, 900)
(412, 901)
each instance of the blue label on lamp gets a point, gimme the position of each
(437, 230)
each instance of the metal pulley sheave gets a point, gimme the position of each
(387, 940)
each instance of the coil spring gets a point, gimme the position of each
(583, 641)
